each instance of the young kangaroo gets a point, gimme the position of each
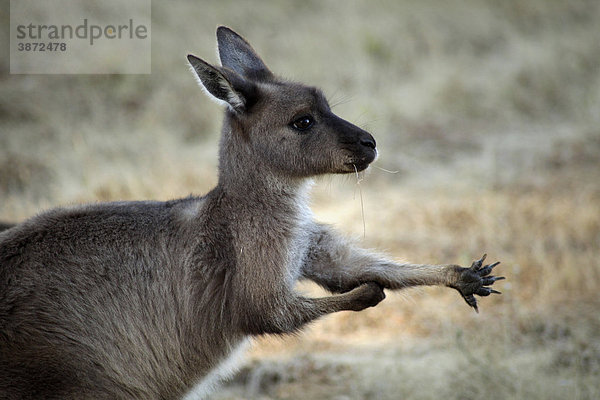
(151, 299)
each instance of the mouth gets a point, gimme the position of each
(360, 163)
(357, 165)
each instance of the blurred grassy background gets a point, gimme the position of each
(488, 110)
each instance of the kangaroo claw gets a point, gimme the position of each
(476, 280)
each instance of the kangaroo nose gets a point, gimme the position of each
(368, 142)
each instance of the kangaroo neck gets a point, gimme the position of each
(244, 177)
(265, 194)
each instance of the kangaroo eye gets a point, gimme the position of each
(303, 123)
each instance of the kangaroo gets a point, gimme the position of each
(152, 299)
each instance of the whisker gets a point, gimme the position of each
(362, 205)
(385, 170)
(366, 124)
(342, 100)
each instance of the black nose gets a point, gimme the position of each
(368, 142)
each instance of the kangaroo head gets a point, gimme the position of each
(287, 127)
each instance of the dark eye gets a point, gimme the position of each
(303, 123)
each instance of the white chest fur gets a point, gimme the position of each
(226, 368)
(298, 246)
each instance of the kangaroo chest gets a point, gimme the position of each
(276, 244)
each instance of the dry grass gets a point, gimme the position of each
(488, 110)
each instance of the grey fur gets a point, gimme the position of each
(5, 225)
(145, 299)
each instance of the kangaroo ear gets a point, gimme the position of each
(224, 84)
(237, 54)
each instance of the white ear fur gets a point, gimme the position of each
(204, 89)
(228, 95)
(234, 100)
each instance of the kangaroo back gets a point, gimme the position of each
(4, 226)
